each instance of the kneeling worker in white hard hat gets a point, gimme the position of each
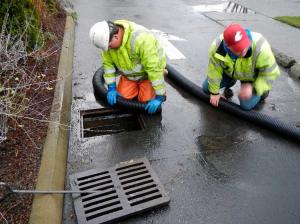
(131, 50)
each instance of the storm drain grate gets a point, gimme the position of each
(127, 189)
(108, 121)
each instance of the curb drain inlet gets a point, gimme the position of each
(107, 121)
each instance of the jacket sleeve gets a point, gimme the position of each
(109, 68)
(267, 70)
(153, 60)
(214, 71)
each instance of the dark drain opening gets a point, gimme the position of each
(96, 179)
(90, 176)
(95, 185)
(108, 121)
(132, 170)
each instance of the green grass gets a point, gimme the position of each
(291, 20)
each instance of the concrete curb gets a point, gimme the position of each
(295, 71)
(49, 208)
(287, 62)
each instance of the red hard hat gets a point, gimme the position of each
(236, 37)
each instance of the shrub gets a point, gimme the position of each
(23, 20)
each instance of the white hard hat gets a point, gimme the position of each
(99, 35)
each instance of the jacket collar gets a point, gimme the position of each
(221, 53)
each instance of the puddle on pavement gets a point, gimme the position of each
(211, 144)
(217, 143)
(225, 7)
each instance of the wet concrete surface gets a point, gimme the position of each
(215, 167)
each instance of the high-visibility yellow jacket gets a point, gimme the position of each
(258, 66)
(139, 57)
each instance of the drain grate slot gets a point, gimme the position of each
(136, 184)
(134, 179)
(139, 188)
(127, 189)
(97, 195)
(99, 207)
(94, 179)
(146, 199)
(131, 170)
(99, 201)
(93, 175)
(104, 212)
(107, 121)
(92, 185)
(134, 174)
(98, 189)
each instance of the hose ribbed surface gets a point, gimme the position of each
(234, 109)
(129, 105)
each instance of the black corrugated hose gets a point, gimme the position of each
(253, 116)
(129, 105)
(234, 109)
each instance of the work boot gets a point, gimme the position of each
(228, 93)
(264, 95)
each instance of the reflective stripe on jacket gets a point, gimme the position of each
(258, 66)
(139, 57)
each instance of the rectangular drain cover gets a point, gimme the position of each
(128, 188)
(107, 121)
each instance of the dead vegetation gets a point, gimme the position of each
(27, 82)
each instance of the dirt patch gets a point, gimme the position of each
(20, 154)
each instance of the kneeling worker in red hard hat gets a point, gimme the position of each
(239, 54)
(131, 50)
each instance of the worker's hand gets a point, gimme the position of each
(214, 99)
(246, 91)
(154, 104)
(112, 94)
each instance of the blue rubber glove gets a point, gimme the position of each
(112, 94)
(154, 104)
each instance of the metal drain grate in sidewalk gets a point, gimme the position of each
(127, 189)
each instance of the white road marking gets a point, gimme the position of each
(171, 51)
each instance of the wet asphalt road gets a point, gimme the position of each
(215, 167)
